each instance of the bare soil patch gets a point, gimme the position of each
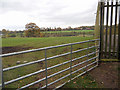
(106, 74)
(14, 49)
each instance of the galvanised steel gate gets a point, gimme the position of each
(82, 66)
(110, 29)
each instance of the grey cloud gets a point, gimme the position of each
(29, 6)
(75, 18)
(15, 6)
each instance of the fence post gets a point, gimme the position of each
(119, 36)
(97, 27)
(110, 34)
(46, 66)
(101, 28)
(71, 62)
(114, 40)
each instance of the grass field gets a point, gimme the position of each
(41, 42)
(28, 57)
(69, 31)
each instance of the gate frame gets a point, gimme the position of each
(101, 10)
(119, 35)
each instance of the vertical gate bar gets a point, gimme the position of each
(1, 66)
(46, 66)
(119, 36)
(96, 50)
(103, 44)
(71, 62)
(110, 38)
(87, 55)
(106, 35)
(114, 47)
(100, 56)
(1, 74)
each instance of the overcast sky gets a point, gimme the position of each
(15, 14)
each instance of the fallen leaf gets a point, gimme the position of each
(74, 82)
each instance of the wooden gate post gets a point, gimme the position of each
(97, 27)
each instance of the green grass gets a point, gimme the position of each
(69, 31)
(41, 42)
(85, 81)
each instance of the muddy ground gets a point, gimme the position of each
(107, 74)
(14, 49)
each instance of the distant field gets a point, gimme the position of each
(69, 31)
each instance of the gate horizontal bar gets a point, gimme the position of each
(54, 74)
(74, 78)
(110, 5)
(85, 66)
(40, 71)
(33, 62)
(85, 61)
(39, 49)
(68, 75)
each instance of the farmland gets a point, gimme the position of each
(40, 42)
(69, 31)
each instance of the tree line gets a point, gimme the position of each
(32, 30)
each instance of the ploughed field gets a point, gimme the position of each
(19, 44)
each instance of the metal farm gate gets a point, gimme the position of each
(78, 62)
(110, 29)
